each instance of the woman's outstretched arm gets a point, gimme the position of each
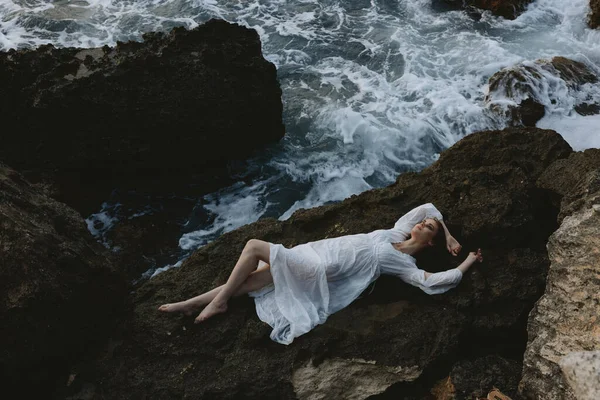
(465, 265)
(440, 282)
(470, 260)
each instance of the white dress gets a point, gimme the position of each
(313, 280)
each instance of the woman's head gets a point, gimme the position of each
(429, 232)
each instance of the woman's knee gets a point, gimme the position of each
(251, 246)
(257, 248)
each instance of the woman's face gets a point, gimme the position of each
(425, 230)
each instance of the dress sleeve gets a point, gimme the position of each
(438, 282)
(405, 224)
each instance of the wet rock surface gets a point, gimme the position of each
(565, 319)
(147, 230)
(147, 242)
(486, 188)
(60, 295)
(509, 9)
(174, 105)
(519, 93)
(594, 18)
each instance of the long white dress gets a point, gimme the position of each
(313, 280)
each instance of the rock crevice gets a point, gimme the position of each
(60, 296)
(565, 320)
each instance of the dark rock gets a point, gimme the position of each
(574, 73)
(518, 83)
(523, 82)
(474, 379)
(447, 5)
(145, 242)
(159, 121)
(531, 112)
(570, 180)
(509, 9)
(143, 231)
(485, 186)
(594, 17)
(587, 109)
(59, 292)
(172, 106)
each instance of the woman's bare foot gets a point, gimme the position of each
(211, 309)
(183, 307)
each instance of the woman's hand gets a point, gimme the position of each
(452, 245)
(475, 256)
(471, 259)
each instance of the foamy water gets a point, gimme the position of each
(371, 89)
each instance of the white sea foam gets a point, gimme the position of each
(152, 272)
(579, 131)
(233, 207)
(103, 221)
(370, 89)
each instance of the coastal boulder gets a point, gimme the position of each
(485, 186)
(565, 319)
(521, 93)
(594, 17)
(509, 9)
(175, 105)
(151, 126)
(59, 294)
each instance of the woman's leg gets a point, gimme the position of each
(255, 281)
(254, 251)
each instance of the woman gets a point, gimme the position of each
(296, 289)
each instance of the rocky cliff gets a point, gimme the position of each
(175, 105)
(396, 341)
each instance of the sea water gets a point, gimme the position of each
(371, 89)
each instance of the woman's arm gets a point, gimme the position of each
(405, 224)
(470, 260)
(451, 244)
(465, 265)
(440, 282)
